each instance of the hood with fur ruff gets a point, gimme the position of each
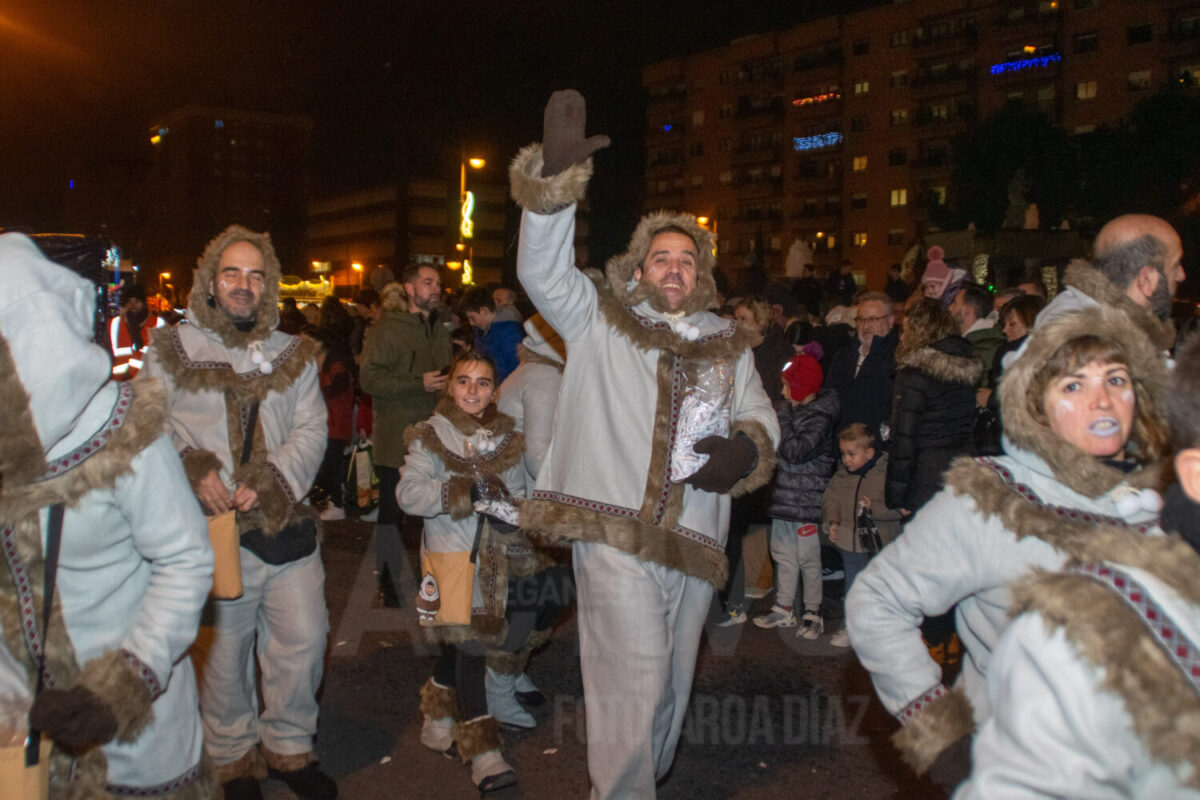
(202, 306)
(619, 270)
(1083, 473)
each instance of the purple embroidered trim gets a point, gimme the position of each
(27, 603)
(620, 511)
(483, 459)
(116, 419)
(1072, 514)
(282, 481)
(253, 374)
(173, 785)
(910, 711)
(144, 672)
(1181, 649)
(445, 496)
(723, 333)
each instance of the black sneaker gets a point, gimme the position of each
(308, 783)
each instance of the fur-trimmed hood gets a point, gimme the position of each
(951, 359)
(1081, 472)
(619, 270)
(46, 352)
(202, 310)
(1083, 277)
(393, 297)
(541, 342)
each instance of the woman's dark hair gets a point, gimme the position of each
(468, 357)
(799, 333)
(1025, 306)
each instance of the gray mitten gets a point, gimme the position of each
(562, 133)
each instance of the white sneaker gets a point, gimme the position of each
(371, 516)
(779, 617)
(758, 593)
(840, 639)
(333, 513)
(811, 625)
(731, 618)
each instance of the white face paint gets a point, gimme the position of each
(1092, 407)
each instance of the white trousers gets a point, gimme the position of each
(796, 556)
(282, 619)
(639, 633)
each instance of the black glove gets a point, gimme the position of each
(729, 460)
(562, 133)
(76, 718)
(952, 766)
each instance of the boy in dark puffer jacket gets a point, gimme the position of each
(807, 459)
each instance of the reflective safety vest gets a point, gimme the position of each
(127, 359)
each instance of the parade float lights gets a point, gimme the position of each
(803, 143)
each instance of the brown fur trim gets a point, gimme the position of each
(143, 424)
(170, 353)
(111, 679)
(1078, 470)
(212, 317)
(656, 472)
(503, 662)
(939, 725)
(1161, 702)
(282, 763)
(498, 423)
(496, 462)
(1168, 557)
(393, 297)
(943, 366)
(21, 457)
(622, 320)
(541, 195)
(437, 701)
(536, 640)
(527, 356)
(250, 765)
(765, 468)
(554, 522)
(476, 736)
(198, 464)
(83, 778)
(274, 506)
(459, 493)
(619, 270)
(1095, 284)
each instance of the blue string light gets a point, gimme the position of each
(801, 143)
(1025, 63)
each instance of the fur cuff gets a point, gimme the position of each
(273, 502)
(765, 467)
(480, 735)
(458, 497)
(438, 702)
(935, 727)
(504, 662)
(114, 680)
(250, 765)
(198, 463)
(544, 195)
(282, 763)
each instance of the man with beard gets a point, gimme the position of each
(129, 332)
(1136, 265)
(404, 361)
(246, 416)
(661, 418)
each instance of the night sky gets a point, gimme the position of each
(393, 86)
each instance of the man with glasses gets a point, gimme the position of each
(862, 375)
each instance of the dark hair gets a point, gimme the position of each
(412, 269)
(477, 298)
(1025, 306)
(131, 291)
(857, 432)
(977, 298)
(367, 297)
(468, 357)
(675, 229)
(1183, 395)
(925, 323)
(799, 332)
(1122, 261)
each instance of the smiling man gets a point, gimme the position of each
(246, 416)
(655, 384)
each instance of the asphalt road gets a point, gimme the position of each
(771, 715)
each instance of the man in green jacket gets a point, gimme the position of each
(404, 362)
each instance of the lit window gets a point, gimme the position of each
(1085, 90)
(899, 197)
(937, 195)
(862, 86)
(899, 116)
(859, 239)
(859, 163)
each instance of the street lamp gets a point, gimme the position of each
(466, 226)
(357, 267)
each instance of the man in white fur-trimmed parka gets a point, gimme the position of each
(648, 537)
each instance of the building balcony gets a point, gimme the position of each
(744, 154)
(937, 38)
(828, 56)
(952, 78)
